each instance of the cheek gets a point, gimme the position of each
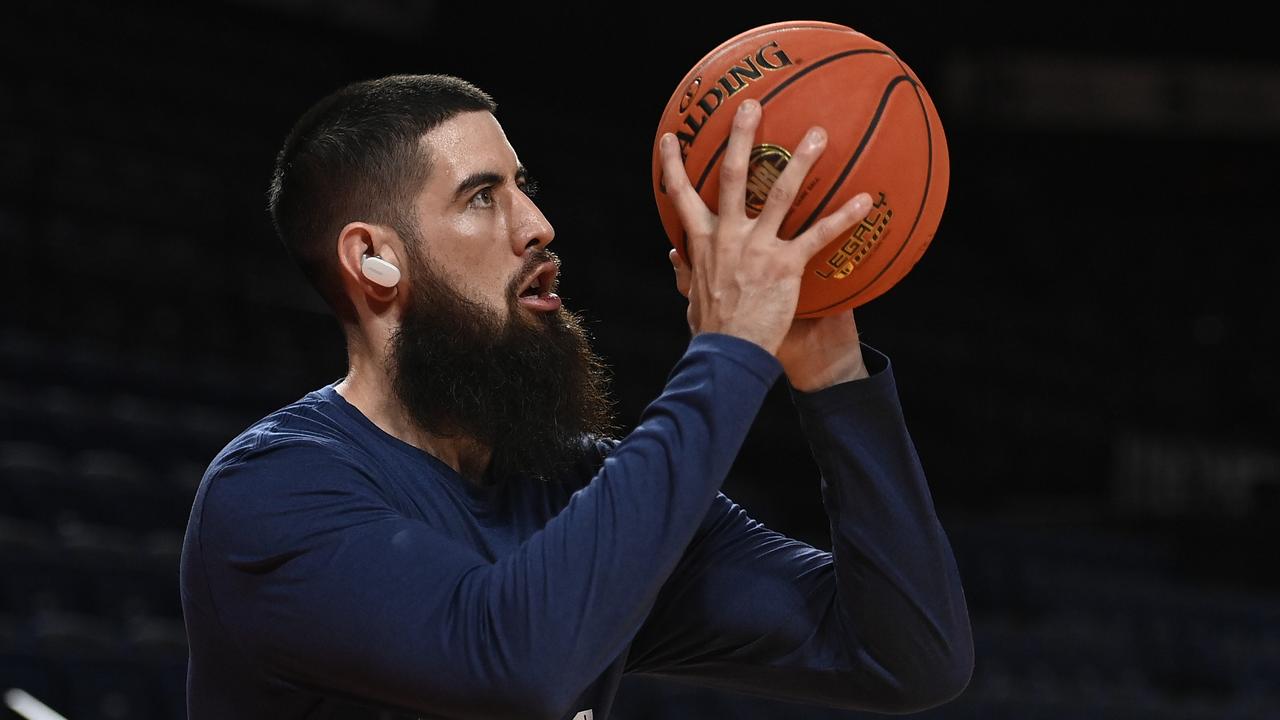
(477, 278)
(481, 271)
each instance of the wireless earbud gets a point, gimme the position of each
(380, 271)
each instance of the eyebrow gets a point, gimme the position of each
(486, 177)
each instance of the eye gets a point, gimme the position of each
(484, 198)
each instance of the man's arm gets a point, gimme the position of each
(323, 585)
(879, 624)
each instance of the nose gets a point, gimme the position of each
(530, 227)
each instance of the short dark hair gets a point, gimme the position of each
(355, 155)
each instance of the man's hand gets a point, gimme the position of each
(816, 353)
(744, 279)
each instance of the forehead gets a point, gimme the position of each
(466, 144)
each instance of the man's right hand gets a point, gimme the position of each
(745, 280)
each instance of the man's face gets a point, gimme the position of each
(470, 358)
(481, 226)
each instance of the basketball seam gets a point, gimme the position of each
(928, 180)
(706, 171)
(853, 160)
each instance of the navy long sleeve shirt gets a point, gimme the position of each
(331, 570)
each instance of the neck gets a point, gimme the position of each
(368, 388)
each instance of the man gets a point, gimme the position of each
(449, 532)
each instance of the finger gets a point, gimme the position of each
(832, 226)
(737, 161)
(694, 215)
(683, 277)
(787, 186)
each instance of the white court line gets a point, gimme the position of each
(28, 707)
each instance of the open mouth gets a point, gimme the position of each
(542, 282)
(537, 292)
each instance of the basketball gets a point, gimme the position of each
(884, 138)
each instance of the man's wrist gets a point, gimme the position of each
(839, 395)
(844, 368)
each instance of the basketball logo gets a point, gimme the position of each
(767, 162)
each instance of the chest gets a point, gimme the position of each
(492, 524)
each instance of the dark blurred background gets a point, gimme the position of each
(1087, 355)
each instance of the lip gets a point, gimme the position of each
(547, 273)
(541, 303)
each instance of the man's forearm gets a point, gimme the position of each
(898, 587)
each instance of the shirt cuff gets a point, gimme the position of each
(756, 359)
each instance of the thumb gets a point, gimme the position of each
(682, 272)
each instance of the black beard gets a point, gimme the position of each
(527, 389)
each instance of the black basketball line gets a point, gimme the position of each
(928, 182)
(706, 171)
(853, 159)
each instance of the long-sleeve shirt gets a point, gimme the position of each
(331, 570)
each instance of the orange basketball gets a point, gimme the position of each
(884, 138)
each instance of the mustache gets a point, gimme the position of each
(532, 259)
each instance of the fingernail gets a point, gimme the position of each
(748, 107)
(861, 202)
(666, 141)
(816, 136)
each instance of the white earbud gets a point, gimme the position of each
(380, 271)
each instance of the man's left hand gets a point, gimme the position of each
(816, 353)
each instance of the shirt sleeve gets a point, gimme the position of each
(324, 585)
(880, 623)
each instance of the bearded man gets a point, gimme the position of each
(451, 531)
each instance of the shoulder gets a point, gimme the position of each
(289, 460)
(307, 430)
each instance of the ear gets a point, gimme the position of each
(358, 240)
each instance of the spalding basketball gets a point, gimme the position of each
(884, 138)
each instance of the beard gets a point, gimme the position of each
(528, 388)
